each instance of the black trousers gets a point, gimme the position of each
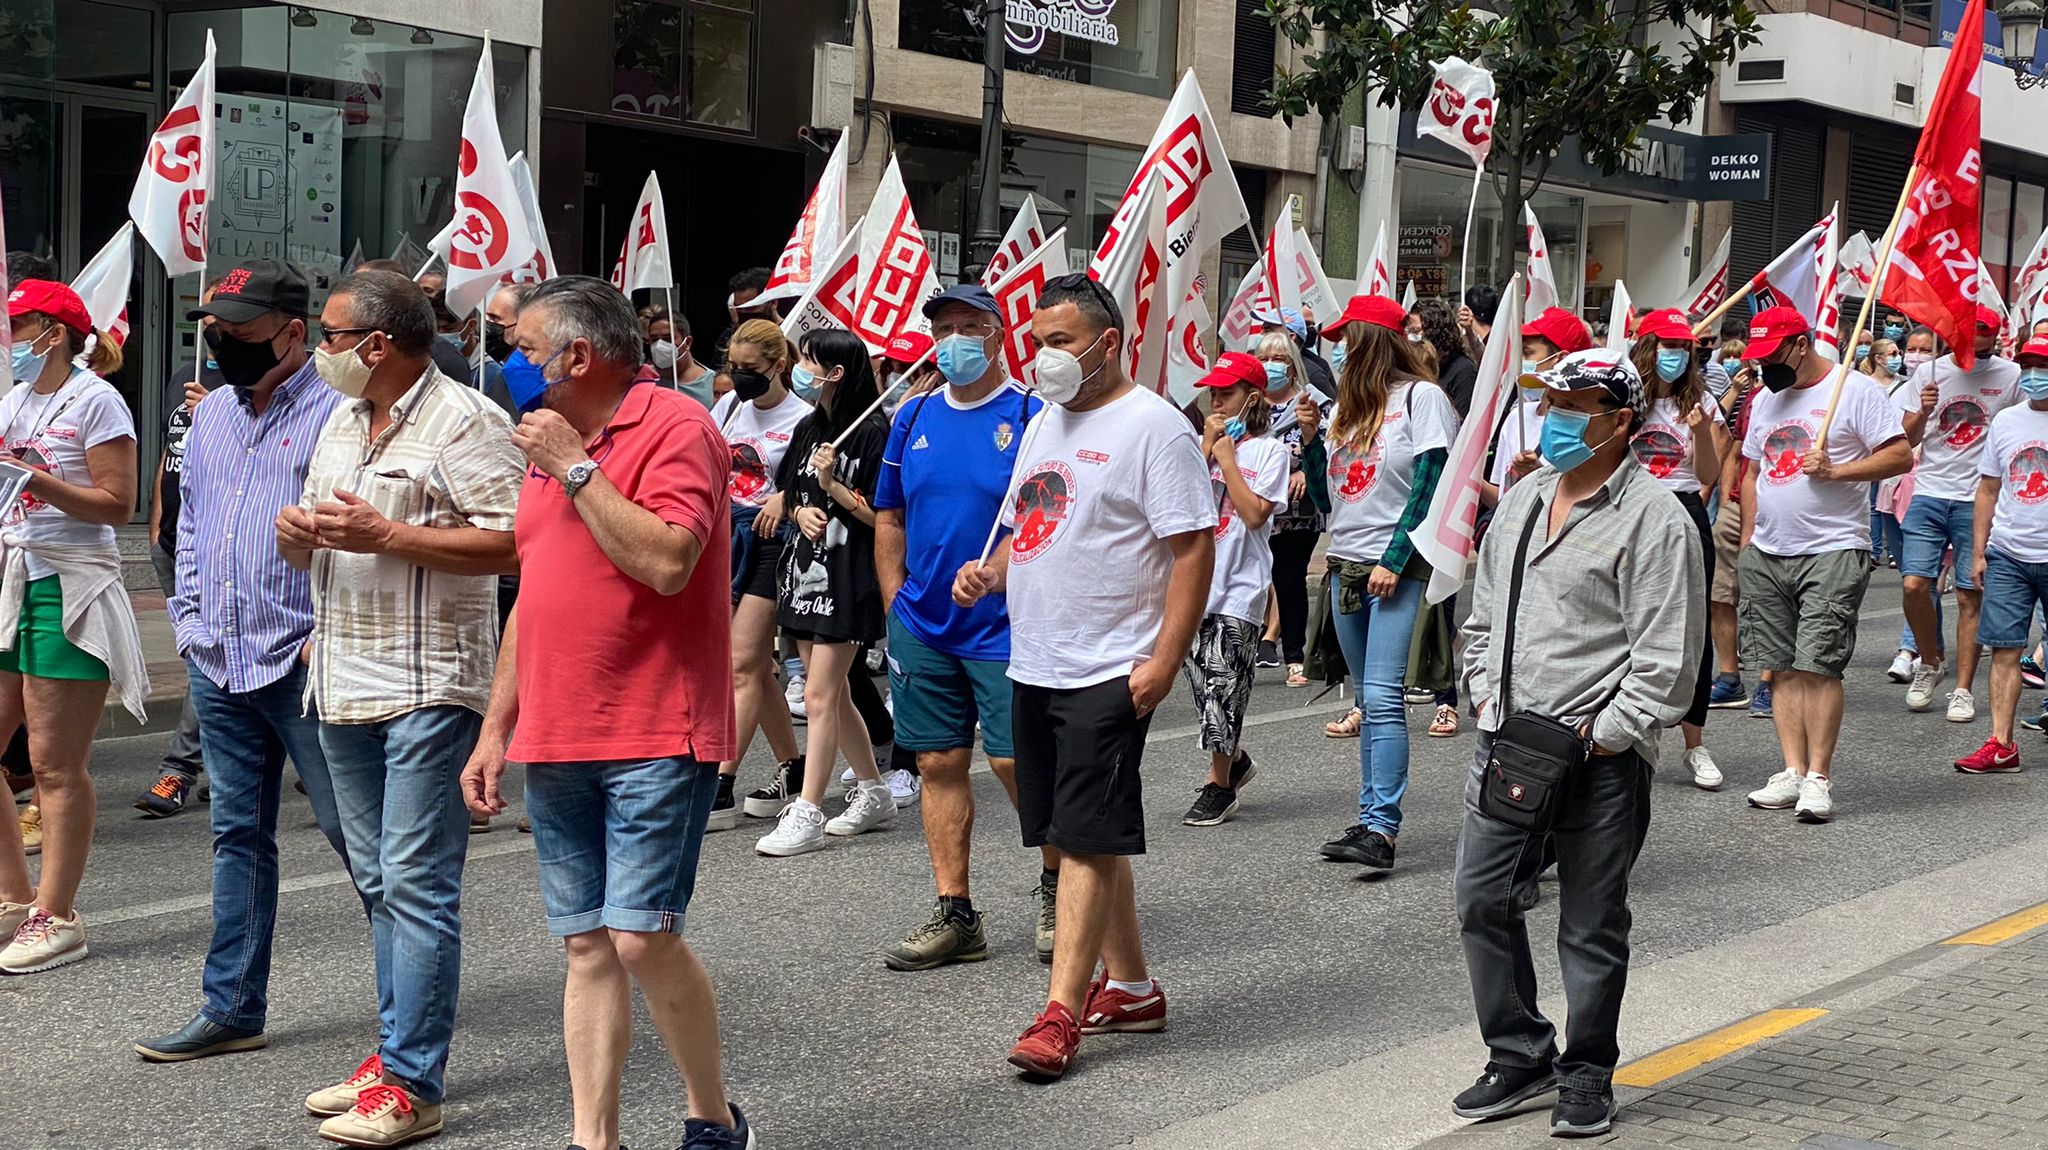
(1291, 552)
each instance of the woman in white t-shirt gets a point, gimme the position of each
(757, 418)
(1681, 443)
(1248, 474)
(72, 432)
(1375, 469)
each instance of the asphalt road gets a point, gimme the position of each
(1278, 967)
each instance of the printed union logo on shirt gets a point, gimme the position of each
(1785, 449)
(1044, 501)
(1351, 481)
(1659, 449)
(1962, 422)
(2026, 475)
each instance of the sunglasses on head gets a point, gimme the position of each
(1082, 281)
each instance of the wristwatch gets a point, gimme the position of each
(577, 476)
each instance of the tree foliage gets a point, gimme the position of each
(1562, 69)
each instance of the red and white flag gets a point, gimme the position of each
(1025, 237)
(1934, 275)
(1319, 301)
(490, 236)
(834, 294)
(896, 272)
(1858, 261)
(168, 204)
(1282, 267)
(2030, 285)
(644, 253)
(1250, 299)
(1827, 291)
(818, 231)
(1017, 297)
(1793, 279)
(103, 283)
(1706, 293)
(1621, 319)
(1187, 350)
(542, 266)
(1447, 535)
(1132, 265)
(1379, 274)
(1460, 107)
(1542, 283)
(1408, 296)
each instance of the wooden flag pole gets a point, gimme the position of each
(883, 398)
(1884, 259)
(1713, 318)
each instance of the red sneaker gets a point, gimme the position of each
(1110, 1009)
(1048, 1047)
(1992, 758)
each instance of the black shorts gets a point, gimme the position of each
(764, 567)
(1078, 753)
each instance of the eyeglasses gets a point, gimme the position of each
(976, 330)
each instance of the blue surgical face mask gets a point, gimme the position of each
(28, 366)
(1276, 375)
(962, 359)
(804, 383)
(2034, 382)
(1894, 332)
(525, 381)
(1564, 438)
(1671, 364)
(1894, 362)
(1337, 357)
(1234, 428)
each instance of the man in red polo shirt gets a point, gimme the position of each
(614, 689)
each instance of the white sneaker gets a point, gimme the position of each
(794, 696)
(43, 942)
(907, 789)
(800, 830)
(1962, 708)
(846, 776)
(871, 809)
(1901, 670)
(1920, 695)
(1816, 799)
(1781, 791)
(1705, 774)
(12, 915)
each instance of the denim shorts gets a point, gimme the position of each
(1930, 528)
(938, 697)
(2013, 591)
(617, 841)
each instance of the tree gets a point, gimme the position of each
(1562, 69)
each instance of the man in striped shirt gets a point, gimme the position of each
(242, 616)
(405, 521)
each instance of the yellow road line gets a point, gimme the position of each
(1999, 930)
(1673, 1061)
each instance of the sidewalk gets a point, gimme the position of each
(166, 673)
(1946, 1046)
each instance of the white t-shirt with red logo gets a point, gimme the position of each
(1368, 492)
(2016, 454)
(1962, 415)
(1796, 515)
(1244, 557)
(52, 432)
(758, 440)
(1664, 446)
(1098, 494)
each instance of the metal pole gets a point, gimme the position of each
(988, 222)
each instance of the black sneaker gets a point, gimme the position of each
(1242, 771)
(725, 813)
(1269, 653)
(1502, 1088)
(1213, 804)
(699, 1134)
(767, 802)
(1581, 1113)
(200, 1038)
(1359, 845)
(166, 798)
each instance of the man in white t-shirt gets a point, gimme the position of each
(2010, 549)
(1107, 573)
(1805, 560)
(1947, 414)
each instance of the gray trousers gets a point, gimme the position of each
(182, 756)
(1603, 814)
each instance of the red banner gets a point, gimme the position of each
(1934, 272)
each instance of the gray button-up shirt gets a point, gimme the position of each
(1613, 611)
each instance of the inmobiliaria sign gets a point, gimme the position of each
(1028, 21)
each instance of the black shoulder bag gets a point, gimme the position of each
(1533, 755)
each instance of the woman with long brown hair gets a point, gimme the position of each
(1375, 470)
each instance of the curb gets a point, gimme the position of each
(163, 708)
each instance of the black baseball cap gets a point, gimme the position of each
(973, 295)
(255, 289)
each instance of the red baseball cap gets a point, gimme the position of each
(46, 297)
(1669, 323)
(1565, 331)
(1771, 327)
(1235, 367)
(1989, 317)
(908, 347)
(2035, 348)
(1377, 310)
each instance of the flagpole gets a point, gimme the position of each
(198, 336)
(1471, 209)
(1884, 259)
(675, 363)
(876, 406)
(1713, 318)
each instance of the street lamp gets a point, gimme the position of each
(988, 224)
(2020, 24)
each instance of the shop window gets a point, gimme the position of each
(1124, 44)
(688, 61)
(104, 44)
(1430, 242)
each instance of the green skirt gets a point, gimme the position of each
(41, 648)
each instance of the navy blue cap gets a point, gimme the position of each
(973, 295)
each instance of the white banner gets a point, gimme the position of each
(1025, 237)
(104, 281)
(168, 203)
(818, 230)
(2030, 285)
(896, 272)
(1542, 284)
(542, 266)
(1446, 536)
(1706, 293)
(1133, 268)
(1187, 350)
(834, 294)
(1827, 291)
(1319, 301)
(1459, 110)
(1793, 279)
(490, 237)
(1017, 297)
(1282, 266)
(644, 253)
(1379, 274)
(1620, 314)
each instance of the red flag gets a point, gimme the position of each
(1934, 273)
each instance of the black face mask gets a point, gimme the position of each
(494, 341)
(243, 363)
(749, 385)
(1778, 376)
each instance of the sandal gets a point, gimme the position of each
(1346, 727)
(1296, 676)
(1445, 724)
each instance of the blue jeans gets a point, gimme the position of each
(617, 841)
(1934, 526)
(244, 739)
(2014, 590)
(397, 788)
(1375, 640)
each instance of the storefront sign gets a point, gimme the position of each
(1026, 22)
(1425, 242)
(1662, 164)
(1124, 44)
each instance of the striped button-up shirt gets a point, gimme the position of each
(390, 636)
(241, 612)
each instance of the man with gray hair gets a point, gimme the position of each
(614, 688)
(405, 518)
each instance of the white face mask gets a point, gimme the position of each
(1414, 337)
(1057, 374)
(344, 371)
(664, 354)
